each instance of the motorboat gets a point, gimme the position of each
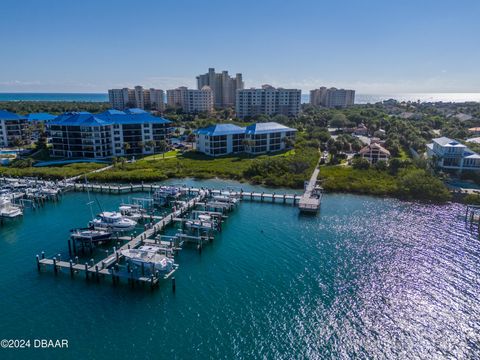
(149, 257)
(113, 221)
(9, 210)
(133, 212)
(226, 199)
(88, 234)
(199, 224)
(163, 194)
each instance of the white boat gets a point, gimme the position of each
(199, 224)
(90, 235)
(163, 194)
(226, 199)
(133, 212)
(149, 256)
(113, 221)
(9, 210)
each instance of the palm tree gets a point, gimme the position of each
(163, 146)
(126, 147)
(150, 144)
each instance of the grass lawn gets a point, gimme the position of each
(171, 153)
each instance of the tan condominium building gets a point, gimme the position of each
(269, 101)
(223, 85)
(332, 97)
(191, 100)
(138, 97)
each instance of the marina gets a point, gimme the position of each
(142, 253)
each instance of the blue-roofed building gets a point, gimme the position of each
(220, 139)
(267, 137)
(13, 129)
(453, 156)
(36, 117)
(107, 134)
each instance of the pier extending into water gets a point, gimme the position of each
(312, 197)
(106, 267)
(291, 198)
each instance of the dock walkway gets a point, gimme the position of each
(310, 202)
(105, 265)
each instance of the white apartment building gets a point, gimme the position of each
(138, 97)
(190, 100)
(332, 97)
(267, 137)
(224, 86)
(220, 139)
(268, 100)
(223, 139)
(451, 155)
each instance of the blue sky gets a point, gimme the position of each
(370, 45)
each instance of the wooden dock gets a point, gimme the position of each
(244, 195)
(311, 198)
(108, 266)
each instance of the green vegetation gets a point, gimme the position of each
(289, 168)
(410, 183)
(53, 172)
(52, 107)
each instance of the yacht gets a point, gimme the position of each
(113, 221)
(165, 193)
(149, 256)
(9, 210)
(88, 234)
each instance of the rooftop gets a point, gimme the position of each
(447, 142)
(267, 127)
(374, 146)
(221, 129)
(40, 117)
(7, 115)
(108, 117)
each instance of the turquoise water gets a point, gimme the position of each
(366, 278)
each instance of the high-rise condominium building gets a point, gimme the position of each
(224, 86)
(138, 97)
(332, 97)
(268, 100)
(191, 100)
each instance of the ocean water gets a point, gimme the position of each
(422, 97)
(366, 278)
(359, 98)
(80, 97)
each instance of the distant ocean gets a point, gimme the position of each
(359, 98)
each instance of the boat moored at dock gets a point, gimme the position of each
(88, 234)
(9, 210)
(113, 221)
(149, 257)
